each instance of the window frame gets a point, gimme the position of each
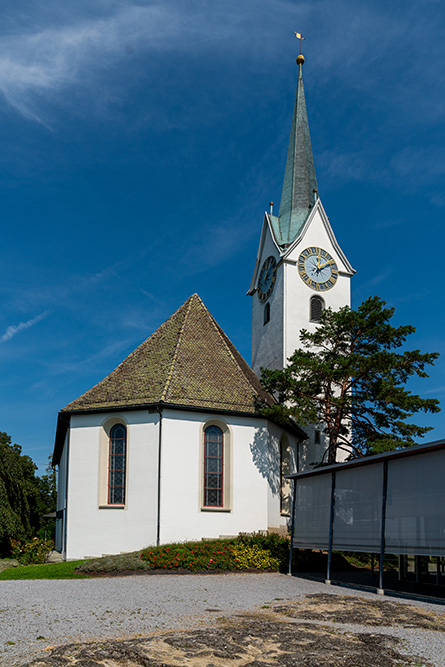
(123, 470)
(226, 463)
(206, 473)
(285, 469)
(103, 462)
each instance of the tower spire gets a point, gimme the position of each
(300, 184)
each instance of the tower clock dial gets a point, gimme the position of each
(267, 278)
(317, 269)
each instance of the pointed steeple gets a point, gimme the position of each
(300, 184)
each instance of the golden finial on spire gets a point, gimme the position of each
(300, 57)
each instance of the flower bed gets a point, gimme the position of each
(209, 555)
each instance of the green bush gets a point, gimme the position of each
(129, 562)
(247, 556)
(35, 551)
(277, 545)
(209, 555)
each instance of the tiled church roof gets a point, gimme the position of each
(188, 361)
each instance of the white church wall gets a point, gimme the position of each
(267, 339)
(94, 529)
(252, 499)
(182, 514)
(297, 294)
(278, 519)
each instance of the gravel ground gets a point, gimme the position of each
(38, 614)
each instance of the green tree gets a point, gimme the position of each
(349, 376)
(47, 501)
(15, 517)
(24, 498)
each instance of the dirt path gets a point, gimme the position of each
(319, 631)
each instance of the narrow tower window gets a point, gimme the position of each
(266, 313)
(117, 465)
(317, 307)
(213, 467)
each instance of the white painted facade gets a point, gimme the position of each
(251, 492)
(274, 342)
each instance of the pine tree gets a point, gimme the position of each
(350, 374)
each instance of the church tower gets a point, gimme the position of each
(300, 268)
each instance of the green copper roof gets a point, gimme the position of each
(188, 361)
(297, 197)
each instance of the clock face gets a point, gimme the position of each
(317, 269)
(267, 277)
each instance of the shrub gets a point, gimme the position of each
(209, 555)
(247, 556)
(277, 545)
(35, 551)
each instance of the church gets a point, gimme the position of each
(172, 445)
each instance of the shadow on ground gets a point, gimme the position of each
(283, 634)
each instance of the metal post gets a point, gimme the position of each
(292, 530)
(380, 590)
(331, 530)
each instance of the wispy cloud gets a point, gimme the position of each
(71, 46)
(74, 48)
(60, 374)
(14, 329)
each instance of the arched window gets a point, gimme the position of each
(317, 307)
(266, 313)
(213, 467)
(117, 465)
(285, 469)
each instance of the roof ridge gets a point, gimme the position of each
(132, 354)
(175, 355)
(222, 335)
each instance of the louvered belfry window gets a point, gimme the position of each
(117, 464)
(317, 306)
(213, 467)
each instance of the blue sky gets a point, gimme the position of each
(141, 144)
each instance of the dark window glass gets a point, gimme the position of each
(317, 306)
(317, 436)
(116, 472)
(213, 467)
(266, 313)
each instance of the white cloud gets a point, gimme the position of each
(14, 329)
(57, 46)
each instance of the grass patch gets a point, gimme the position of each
(8, 562)
(46, 571)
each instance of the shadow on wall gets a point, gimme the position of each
(266, 457)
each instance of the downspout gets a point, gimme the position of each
(65, 509)
(158, 523)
